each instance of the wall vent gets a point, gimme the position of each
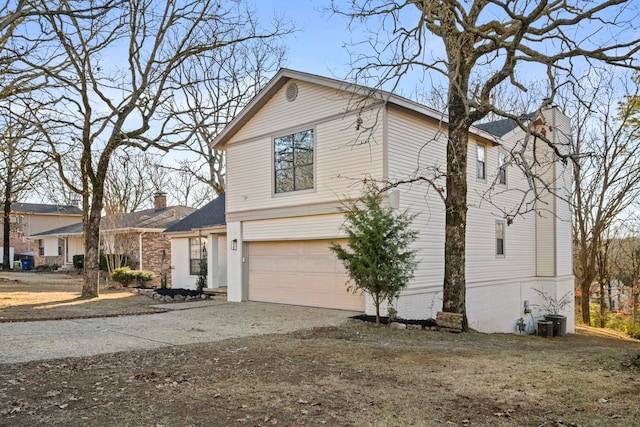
(292, 92)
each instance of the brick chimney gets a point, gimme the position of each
(159, 201)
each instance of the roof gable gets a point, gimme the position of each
(284, 76)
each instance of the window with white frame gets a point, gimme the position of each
(481, 163)
(502, 168)
(500, 238)
(41, 247)
(197, 246)
(293, 162)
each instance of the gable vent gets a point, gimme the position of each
(292, 92)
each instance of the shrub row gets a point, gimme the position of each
(126, 276)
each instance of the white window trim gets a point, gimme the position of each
(503, 166)
(273, 163)
(484, 150)
(504, 240)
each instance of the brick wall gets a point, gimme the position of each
(156, 253)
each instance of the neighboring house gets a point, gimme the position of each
(138, 235)
(203, 229)
(28, 219)
(58, 246)
(305, 144)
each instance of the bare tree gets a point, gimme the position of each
(485, 42)
(184, 186)
(22, 162)
(606, 144)
(217, 86)
(114, 82)
(132, 180)
(625, 268)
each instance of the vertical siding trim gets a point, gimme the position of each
(385, 143)
(555, 197)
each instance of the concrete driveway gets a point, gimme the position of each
(185, 323)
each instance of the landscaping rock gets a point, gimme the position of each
(397, 325)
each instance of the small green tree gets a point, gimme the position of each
(379, 259)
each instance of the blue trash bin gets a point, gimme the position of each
(25, 264)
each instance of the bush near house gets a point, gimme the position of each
(125, 276)
(78, 261)
(378, 257)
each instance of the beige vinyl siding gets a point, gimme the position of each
(411, 140)
(296, 228)
(34, 223)
(314, 102)
(342, 158)
(488, 202)
(564, 174)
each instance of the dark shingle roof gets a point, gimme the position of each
(499, 127)
(210, 215)
(503, 126)
(148, 218)
(39, 208)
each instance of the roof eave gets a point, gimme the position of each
(215, 229)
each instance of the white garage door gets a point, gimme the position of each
(300, 273)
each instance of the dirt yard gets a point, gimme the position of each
(356, 374)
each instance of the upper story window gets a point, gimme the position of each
(293, 162)
(502, 168)
(481, 163)
(500, 238)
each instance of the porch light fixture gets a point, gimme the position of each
(234, 245)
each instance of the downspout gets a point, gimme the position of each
(140, 250)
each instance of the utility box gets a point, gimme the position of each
(559, 324)
(545, 328)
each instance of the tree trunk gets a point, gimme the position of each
(585, 289)
(602, 305)
(454, 287)
(91, 275)
(6, 228)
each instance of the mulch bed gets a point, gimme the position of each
(174, 292)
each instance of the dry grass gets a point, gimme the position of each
(353, 375)
(45, 296)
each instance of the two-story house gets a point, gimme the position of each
(33, 218)
(305, 144)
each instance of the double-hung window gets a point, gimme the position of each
(481, 163)
(502, 168)
(197, 251)
(293, 162)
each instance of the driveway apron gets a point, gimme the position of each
(184, 323)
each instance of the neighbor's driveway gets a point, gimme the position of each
(185, 323)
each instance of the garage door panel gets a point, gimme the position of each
(301, 273)
(265, 263)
